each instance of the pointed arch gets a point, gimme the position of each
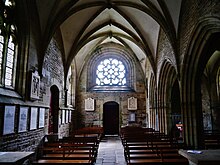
(204, 41)
(167, 78)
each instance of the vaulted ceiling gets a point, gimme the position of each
(85, 24)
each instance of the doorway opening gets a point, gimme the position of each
(175, 104)
(54, 110)
(111, 118)
(176, 126)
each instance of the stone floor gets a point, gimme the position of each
(110, 152)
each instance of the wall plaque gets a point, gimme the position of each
(132, 117)
(33, 121)
(89, 104)
(35, 86)
(9, 120)
(41, 117)
(23, 116)
(132, 103)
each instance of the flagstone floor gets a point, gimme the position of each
(110, 152)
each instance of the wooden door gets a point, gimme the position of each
(54, 110)
(111, 118)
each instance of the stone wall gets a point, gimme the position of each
(28, 139)
(25, 140)
(96, 117)
(165, 53)
(191, 13)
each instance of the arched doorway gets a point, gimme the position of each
(54, 110)
(175, 104)
(176, 119)
(192, 86)
(111, 118)
(210, 94)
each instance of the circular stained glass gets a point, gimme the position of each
(111, 72)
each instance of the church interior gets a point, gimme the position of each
(116, 67)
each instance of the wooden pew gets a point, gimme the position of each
(89, 131)
(93, 140)
(153, 155)
(61, 161)
(212, 140)
(81, 150)
(140, 148)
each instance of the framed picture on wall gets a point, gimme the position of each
(41, 117)
(9, 120)
(33, 119)
(23, 117)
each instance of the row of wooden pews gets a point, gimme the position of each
(80, 148)
(142, 146)
(89, 131)
(212, 139)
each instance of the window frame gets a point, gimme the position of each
(95, 61)
(109, 84)
(8, 31)
(5, 61)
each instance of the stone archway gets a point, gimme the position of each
(207, 35)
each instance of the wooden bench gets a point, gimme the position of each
(93, 140)
(153, 155)
(74, 151)
(145, 150)
(212, 140)
(61, 161)
(69, 151)
(89, 131)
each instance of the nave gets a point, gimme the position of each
(89, 146)
(67, 65)
(110, 151)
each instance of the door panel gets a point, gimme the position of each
(111, 118)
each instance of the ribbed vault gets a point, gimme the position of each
(84, 25)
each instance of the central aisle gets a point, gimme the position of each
(111, 152)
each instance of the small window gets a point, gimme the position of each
(111, 72)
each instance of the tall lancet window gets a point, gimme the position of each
(8, 44)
